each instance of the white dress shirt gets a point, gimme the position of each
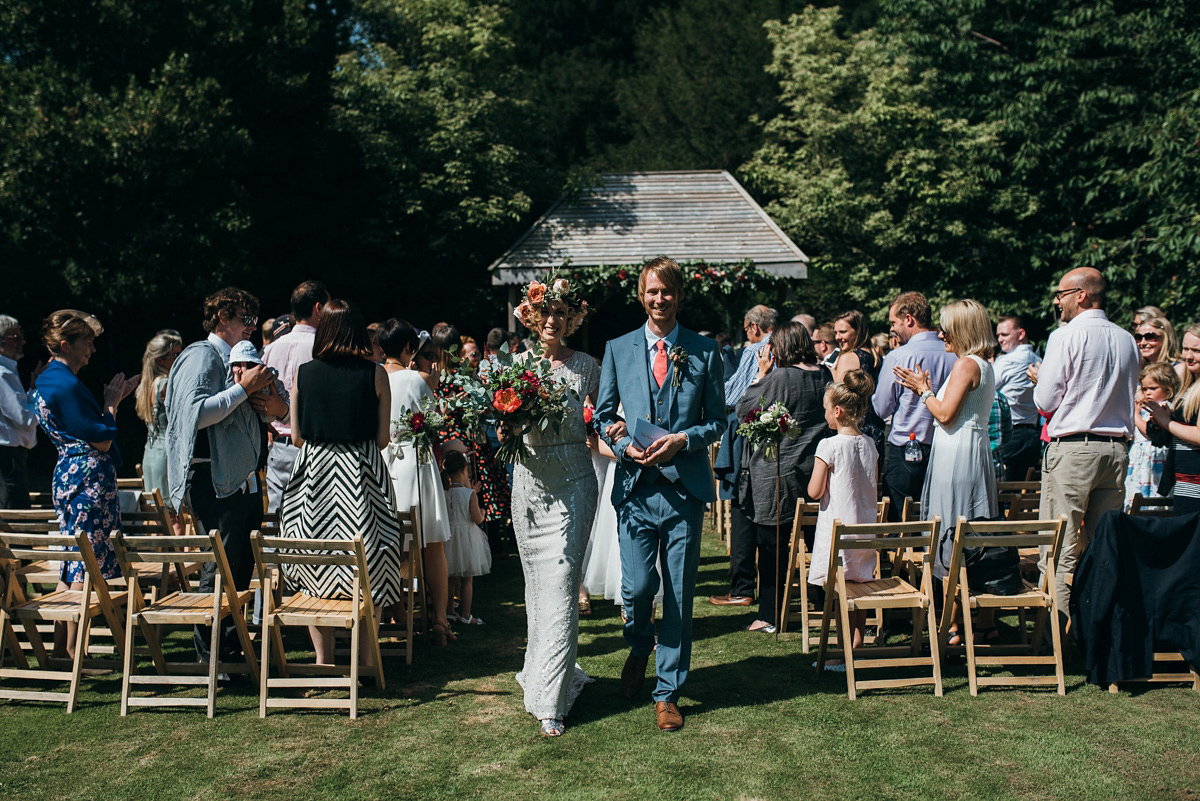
(18, 423)
(286, 354)
(1088, 378)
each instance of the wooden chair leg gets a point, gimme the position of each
(127, 664)
(355, 643)
(934, 648)
(264, 666)
(847, 639)
(967, 631)
(81, 640)
(214, 659)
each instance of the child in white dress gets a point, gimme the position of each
(843, 477)
(467, 553)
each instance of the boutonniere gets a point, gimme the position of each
(679, 358)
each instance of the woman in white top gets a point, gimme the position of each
(961, 480)
(399, 342)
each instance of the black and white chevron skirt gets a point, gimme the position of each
(340, 491)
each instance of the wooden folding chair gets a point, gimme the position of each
(1042, 597)
(33, 521)
(94, 599)
(1169, 667)
(796, 583)
(799, 564)
(184, 609)
(882, 593)
(1148, 507)
(302, 609)
(415, 601)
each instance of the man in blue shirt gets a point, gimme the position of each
(1024, 446)
(920, 348)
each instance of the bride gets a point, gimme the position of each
(554, 500)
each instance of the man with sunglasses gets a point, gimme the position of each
(1024, 446)
(1086, 385)
(216, 444)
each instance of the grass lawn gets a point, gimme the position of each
(760, 724)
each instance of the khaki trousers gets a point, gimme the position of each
(1081, 480)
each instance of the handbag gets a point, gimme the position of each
(994, 569)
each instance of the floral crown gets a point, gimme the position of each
(536, 295)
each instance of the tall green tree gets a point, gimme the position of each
(881, 187)
(1095, 107)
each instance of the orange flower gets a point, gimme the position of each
(506, 400)
(587, 414)
(524, 313)
(537, 293)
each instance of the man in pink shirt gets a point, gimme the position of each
(286, 354)
(1086, 382)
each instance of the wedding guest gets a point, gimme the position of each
(853, 337)
(18, 419)
(1179, 421)
(215, 445)
(961, 479)
(151, 404)
(339, 488)
(84, 487)
(285, 355)
(788, 372)
(493, 478)
(468, 555)
(1157, 383)
(417, 483)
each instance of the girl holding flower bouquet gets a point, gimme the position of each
(554, 494)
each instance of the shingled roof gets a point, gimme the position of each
(703, 216)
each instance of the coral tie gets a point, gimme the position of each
(660, 363)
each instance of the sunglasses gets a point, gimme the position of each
(249, 319)
(1151, 337)
(1062, 293)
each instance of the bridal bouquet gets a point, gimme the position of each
(766, 428)
(525, 396)
(419, 427)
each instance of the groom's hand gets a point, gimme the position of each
(663, 450)
(635, 453)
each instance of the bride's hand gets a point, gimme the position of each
(616, 431)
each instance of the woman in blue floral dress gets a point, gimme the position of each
(85, 478)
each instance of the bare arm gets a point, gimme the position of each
(383, 391)
(297, 440)
(819, 480)
(844, 364)
(476, 511)
(1161, 413)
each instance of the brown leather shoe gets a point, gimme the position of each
(669, 716)
(633, 676)
(730, 600)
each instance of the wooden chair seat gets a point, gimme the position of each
(64, 605)
(883, 593)
(189, 608)
(302, 609)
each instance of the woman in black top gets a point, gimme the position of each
(339, 488)
(788, 373)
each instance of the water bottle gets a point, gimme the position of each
(912, 450)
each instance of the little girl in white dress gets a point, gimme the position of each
(467, 553)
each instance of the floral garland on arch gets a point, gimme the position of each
(713, 280)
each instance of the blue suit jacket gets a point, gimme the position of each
(697, 406)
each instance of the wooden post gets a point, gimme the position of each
(512, 306)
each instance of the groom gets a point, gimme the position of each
(671, 378)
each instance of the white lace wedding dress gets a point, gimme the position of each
(553, 503)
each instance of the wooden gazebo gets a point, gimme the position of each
(627, 218)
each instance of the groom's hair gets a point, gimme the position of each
(667, 271)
